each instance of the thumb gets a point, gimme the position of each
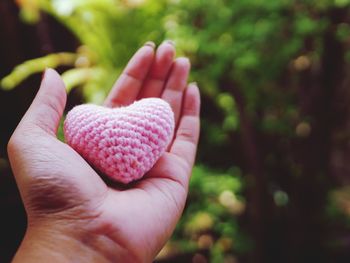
(47, 107)
(38, 124)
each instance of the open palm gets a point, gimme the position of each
(61, 191)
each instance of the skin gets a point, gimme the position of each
(73, 215)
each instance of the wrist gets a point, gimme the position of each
(57, 243)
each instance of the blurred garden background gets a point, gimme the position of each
(272, 180)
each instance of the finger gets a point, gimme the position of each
(128, 85)
(159, 72)
(176, 84)
(47, 107)
(187, 135)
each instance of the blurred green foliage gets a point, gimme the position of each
(243, 53)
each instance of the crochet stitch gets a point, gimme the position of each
(123, 143)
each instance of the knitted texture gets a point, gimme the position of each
(123, 143)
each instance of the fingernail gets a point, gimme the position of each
(194, 84)
(150, 44)
(43, 75)
(184, 59)
(170, 42)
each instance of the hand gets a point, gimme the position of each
(73, 216)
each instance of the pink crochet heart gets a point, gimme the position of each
(123, 143)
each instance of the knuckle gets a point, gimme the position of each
(186, 134)
(21, 139)
(13, 144)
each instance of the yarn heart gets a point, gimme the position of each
(122, 143)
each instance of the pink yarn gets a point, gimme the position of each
(123, 143)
